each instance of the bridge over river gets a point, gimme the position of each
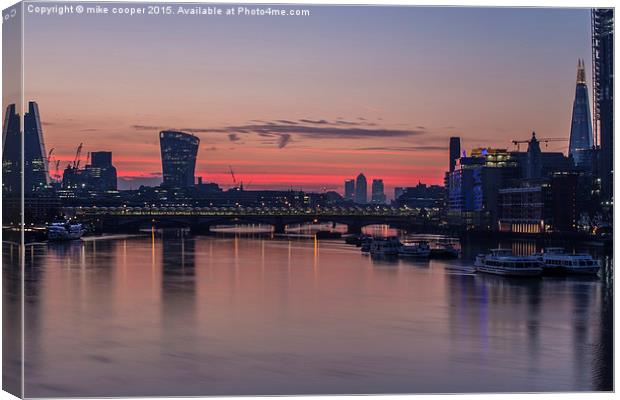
(200, 219)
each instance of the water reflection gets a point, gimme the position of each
(173, 314)
(11, 317)
(548, 315)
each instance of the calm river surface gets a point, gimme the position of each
(172, 314)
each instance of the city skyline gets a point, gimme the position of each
(323, 200)
(305, 132)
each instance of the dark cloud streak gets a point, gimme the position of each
(405, 148)
(284, 139)
(324, 132)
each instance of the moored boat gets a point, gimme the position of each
(417, 249)
(385, 246)
(58, 231)
(555, 260)
(503, 262)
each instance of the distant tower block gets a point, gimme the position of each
(349, 189)
(378, 192)
(361, 189)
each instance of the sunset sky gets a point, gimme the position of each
(305, 101)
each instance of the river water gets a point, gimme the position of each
(173, 314)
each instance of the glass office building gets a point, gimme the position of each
(178, 158)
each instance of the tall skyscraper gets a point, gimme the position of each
(178, 158)
(455, 151)
(378, 193)
(36, 176)
(603, 89)
(349, 189)
(11, 153)
(581, 123)
(361, 189)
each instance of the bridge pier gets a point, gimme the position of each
(200, 229)
(279, 228)
(354, 229)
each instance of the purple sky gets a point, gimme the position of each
(305, 101)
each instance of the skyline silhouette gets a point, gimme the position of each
(346, 90)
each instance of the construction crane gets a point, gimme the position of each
(544, 140)
(232, 173)
(57, 171)
(76, 160)
(49, 158)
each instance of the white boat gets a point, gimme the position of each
(503, 262)
(556, 261)
(64, 231)
(385, 246)
(417, 250)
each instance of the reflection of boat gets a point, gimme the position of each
(444, 251)
(385, 246)
(365, 243)
(64, 231)
(555, 261)
(356, 239)
(502, 262)
(328, 235)
(353, 239)
(419, 250)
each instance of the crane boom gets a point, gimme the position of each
(76, 160)
(49, 158)
(544, 140)
(232, 173)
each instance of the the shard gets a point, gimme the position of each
(581, 141)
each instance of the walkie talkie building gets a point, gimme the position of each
(178, 158)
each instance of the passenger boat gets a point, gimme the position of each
(58, 231)
(503, 262)
(418, 250)
(555, 260)
(385, 246)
